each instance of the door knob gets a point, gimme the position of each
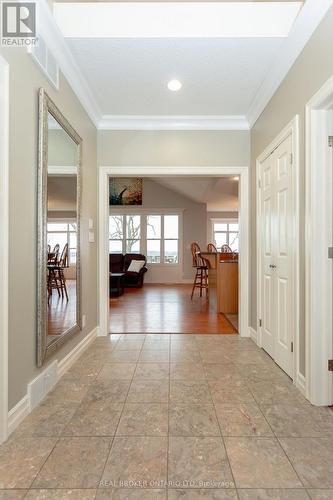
(272, 266)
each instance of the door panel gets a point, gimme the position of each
(277, 250)
(284, 253)
(267, 295)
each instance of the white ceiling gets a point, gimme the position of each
(220, 194)
(227, 82)
(219, 76)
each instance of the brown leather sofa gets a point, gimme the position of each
(119, 263)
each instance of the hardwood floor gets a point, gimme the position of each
(62, 313)
(165, 309)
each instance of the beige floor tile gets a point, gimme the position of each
(189, 392)
(132, 336)
(277, 494)
(156, 345)
(223, 372)
(242, 419)
(47, 420)
(312, 458)
(114, 371)
(69, 388)
(140, 460)
(98, 417)
(202, 494)
(152, 371)
(215, 356)
(227, 391)
(321, 494)
(153, 356)
(125, 356)
(12, 494)
(21, 460)
(180, 355)
(144, 419)
(75, 462)
(198, 462)
(129, 345)
(85, 369)
(61, 494)
(187, 371)
(148, 391)
(131, 494)
(260, 463)
(193, 420)
(274, 391)
(299, 420)
(241, 357)
(115, 390)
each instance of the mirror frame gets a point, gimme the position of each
(44, 351)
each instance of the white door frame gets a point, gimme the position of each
(4, 250)
(173, 171)
(318, 268)
(291, 129)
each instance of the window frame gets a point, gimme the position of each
(227, 221)
(68, 222)
(144, 213)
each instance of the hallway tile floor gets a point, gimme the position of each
(144, 417)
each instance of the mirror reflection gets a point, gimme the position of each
(62, 219)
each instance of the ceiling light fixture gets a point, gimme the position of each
(236, 178)
(174, 85)
(176, 19)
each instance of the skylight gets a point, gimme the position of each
(176, 19)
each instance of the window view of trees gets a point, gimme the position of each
(156, 236)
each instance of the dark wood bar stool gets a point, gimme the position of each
(201, 273)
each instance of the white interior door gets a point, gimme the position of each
(284, 247)
(267, 255)
(277, 247)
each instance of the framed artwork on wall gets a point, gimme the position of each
(125, 191)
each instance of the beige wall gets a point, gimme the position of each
(312, 68)
(25, 80)
(164, 148)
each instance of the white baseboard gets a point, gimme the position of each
(301, 383)
(65, 364)
(18, 413)
(253, 334)
(23, 407)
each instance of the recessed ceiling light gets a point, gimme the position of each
(174, 85)
(176, 19)
(236, 178)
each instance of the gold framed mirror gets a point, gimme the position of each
(59, 208)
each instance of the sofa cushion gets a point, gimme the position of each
(135, 266)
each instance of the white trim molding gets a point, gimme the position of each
(312, 13)
(253, 334)
(318, 267)
(66, 363)
(4, 243)
(18, 413)
(22, 409)
(170, 171)
(173, 122)
(292, 129)
(56, 42)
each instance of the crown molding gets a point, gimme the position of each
(48, 29)
(173, 122)
(306, 23)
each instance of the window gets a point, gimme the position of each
(226, 233)
(61, 233)
(154, 235)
